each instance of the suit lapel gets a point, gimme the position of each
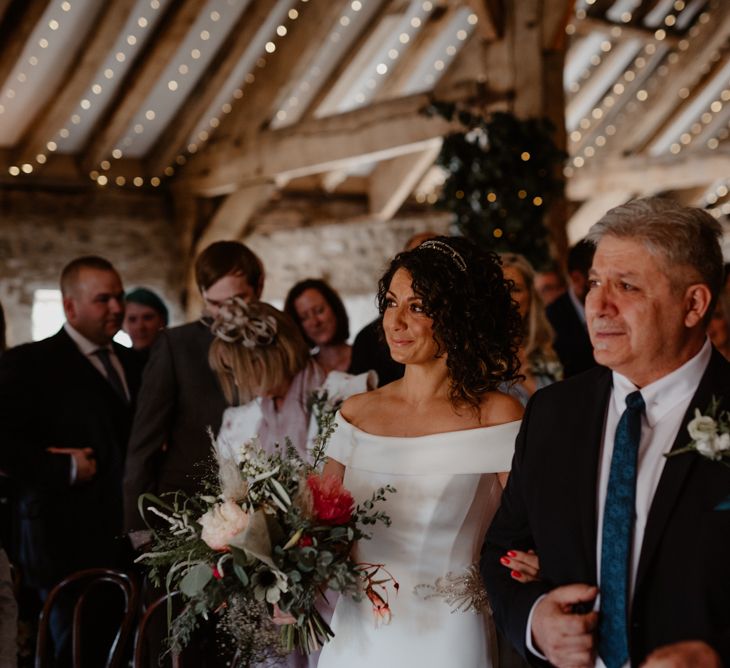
(590, 440)
(676, 469)
(79, 363)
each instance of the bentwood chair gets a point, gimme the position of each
(103, 604)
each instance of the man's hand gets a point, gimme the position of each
(564, 637)
(687, 654)
(85, 461)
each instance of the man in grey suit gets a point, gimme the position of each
(180, 396)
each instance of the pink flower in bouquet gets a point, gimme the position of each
(221, 523)
(332, 502)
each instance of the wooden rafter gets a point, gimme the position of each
(591, 24)
(377, 132)
(345, 62)
(141, 78)
(178, 130)
(683, 73)
(414, 56)
(291, 58)
(62, 170)
(490, 24)
(110, 18)
(19, 20)
(592, 210)
(393, 180)
(645, 175)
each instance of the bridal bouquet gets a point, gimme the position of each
(263, 547)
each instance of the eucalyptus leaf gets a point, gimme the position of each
(194, 581)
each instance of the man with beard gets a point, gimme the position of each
(66, 406)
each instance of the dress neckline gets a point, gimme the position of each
(461, 432)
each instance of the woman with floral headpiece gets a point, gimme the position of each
(270, 379)
(443, 436)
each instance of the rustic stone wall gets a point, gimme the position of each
(40, 231)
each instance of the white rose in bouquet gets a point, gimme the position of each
(221, 523)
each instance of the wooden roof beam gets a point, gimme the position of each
(393, 180)
(19, 20)
(355, 48)
(142, 77)
(178, 131)
(591, 24)
(405, 66)
(110, 18)
(288, 63)
(649, 175)
(377, 132)
(684, 73)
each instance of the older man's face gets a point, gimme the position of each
(636, 319)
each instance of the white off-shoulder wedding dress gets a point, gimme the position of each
(447, 493)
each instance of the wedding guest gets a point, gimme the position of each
(263, 365)
(269, 378)
(567, 314)
(591, 489)
(8, 604)
(539, 365)
(180, 395)
(441, 436)
(369, 349)
(549, 284)
(320, 314)
(719, 328)
(145, 315)
(66, 406)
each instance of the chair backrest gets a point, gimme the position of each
(141, 638)
(82, 586)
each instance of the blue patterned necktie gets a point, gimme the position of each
(111, 373)
(618, 527)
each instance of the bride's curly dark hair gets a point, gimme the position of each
(475, 319)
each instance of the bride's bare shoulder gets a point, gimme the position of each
(498, 408)
(360, 405)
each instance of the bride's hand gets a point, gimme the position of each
(524, 566)
(281, 618)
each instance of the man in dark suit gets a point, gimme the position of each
(66, 410)
(567, 314)
(591, 489)
(180, 395)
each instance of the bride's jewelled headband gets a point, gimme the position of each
(442, 247)
(238, 321)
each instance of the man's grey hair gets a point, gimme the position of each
(676, 235)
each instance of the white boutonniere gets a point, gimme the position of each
(710, 434)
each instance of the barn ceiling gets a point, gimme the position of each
(241, 98)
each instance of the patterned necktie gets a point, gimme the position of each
(111, 373)
(618, 526)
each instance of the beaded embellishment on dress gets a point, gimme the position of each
(463, 592)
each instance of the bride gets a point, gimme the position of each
(443, 437)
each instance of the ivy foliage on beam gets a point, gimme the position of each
(503, 173)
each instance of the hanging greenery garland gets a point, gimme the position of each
(503, 174)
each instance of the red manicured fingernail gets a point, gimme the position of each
(504, 560)
(511, 553)
(516, 574)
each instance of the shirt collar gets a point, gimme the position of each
(84, 345)
(664, 394)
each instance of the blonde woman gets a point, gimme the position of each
(268, 376)
(539, 363)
